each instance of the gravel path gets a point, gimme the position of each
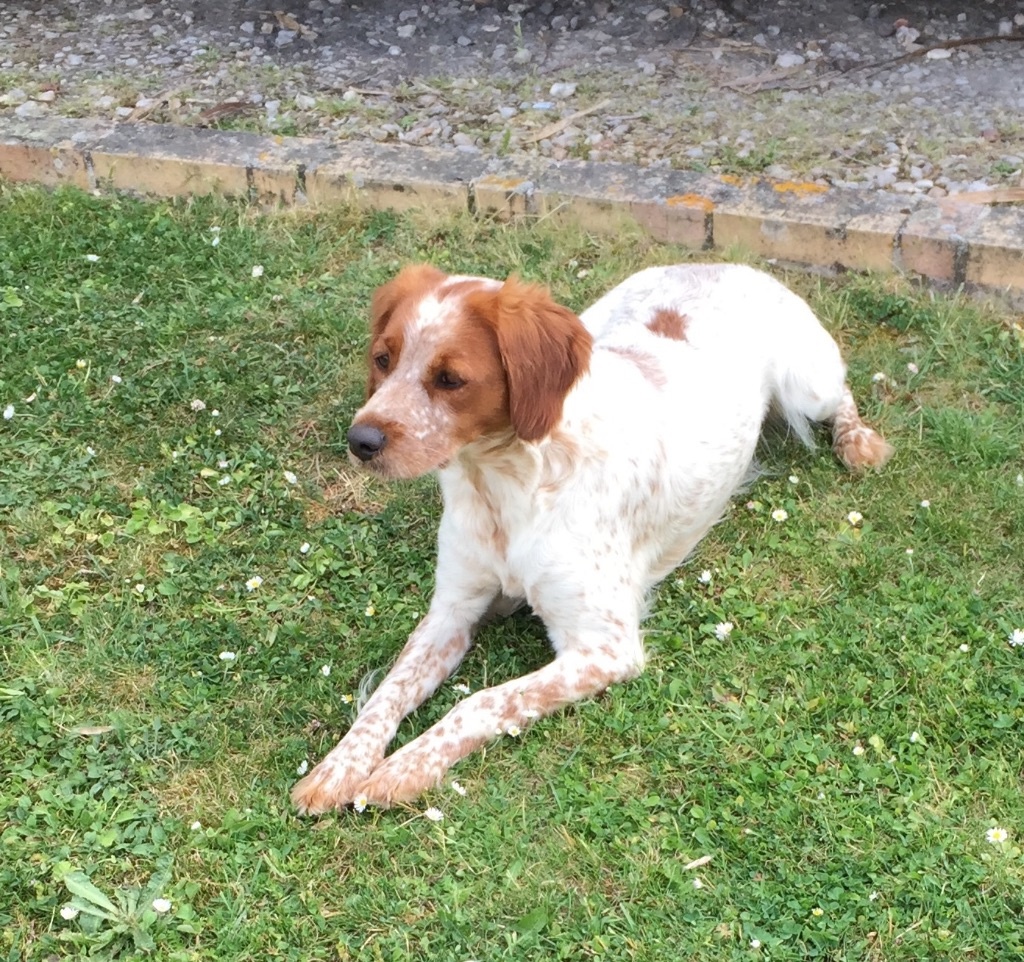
(846, 92)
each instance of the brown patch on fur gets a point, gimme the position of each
(648, 365)
(667, 322)
(543, 347)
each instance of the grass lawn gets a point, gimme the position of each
(174, 431)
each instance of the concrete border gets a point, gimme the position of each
(946, 243)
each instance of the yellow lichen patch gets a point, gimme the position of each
(502, 183)
(691, 200)
(731, 179)
(799, 187)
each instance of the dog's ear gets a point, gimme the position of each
(411, 282)
(544, 348)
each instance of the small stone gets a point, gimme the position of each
(247, 27)
(562, 90)
(31, 110)
(142, 13)
(123, 112)
(406, 30)
(13, 97)
(272, 107)
(938, 192)
(305, 102)
(464, 41)
(939, 53)
(285, 37)
(74, 60)
(656, 16)
(105, 102)
(522, 55)
(790, 60)
(462, 140)
(408, 15)
(1005, 28)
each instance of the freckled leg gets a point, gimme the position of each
(432, 653)
(582, 670)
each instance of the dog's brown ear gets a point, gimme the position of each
(544, 348)
(410, 283)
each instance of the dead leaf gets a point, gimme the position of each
(86, 730)
(223, 111)
(698, 862)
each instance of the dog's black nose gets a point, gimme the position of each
(365, 441)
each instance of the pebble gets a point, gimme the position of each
(789, 60)
(31, 110)
(562, 90)
(305, 102)
(13, 97)
(285, 37)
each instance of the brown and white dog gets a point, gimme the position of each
(580, 460)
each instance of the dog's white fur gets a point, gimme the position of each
(653, 438)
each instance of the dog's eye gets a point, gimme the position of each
(448, 381)
(382, 361)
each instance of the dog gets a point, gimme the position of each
(580, 460)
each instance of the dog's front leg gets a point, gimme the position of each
(582, 670)
(432, 653)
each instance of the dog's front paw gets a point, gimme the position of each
(403, 777)
(333, 784)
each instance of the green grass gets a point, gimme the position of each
(787, 752)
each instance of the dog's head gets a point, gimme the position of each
(457, 360)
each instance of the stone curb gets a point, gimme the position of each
(943, 242)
